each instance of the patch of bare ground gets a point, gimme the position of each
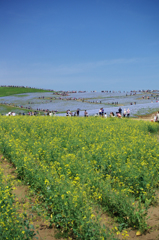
(153, 224)
(147, 117)
(152, 232)
(26, 203)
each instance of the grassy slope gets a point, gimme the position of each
(6, 91)
(5, 109)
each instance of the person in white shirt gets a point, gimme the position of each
(105, 115)
(157, 117)
(124, 113)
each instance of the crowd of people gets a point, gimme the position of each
(126, 113)
(101, 113)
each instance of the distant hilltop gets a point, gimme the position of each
(74, 91)
(13, 86)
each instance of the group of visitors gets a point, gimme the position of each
(69, 113)
(101, 112)
(33, 113)
(126, 113)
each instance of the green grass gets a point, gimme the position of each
(25, 95)
(6, 108)
(146, 112)
(7, 91)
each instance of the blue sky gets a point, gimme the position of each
(80, 45)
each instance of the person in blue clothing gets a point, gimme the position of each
(102, 111)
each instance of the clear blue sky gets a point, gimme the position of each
(80, 44)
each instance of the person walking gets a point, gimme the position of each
(120, 110)
(78, 111)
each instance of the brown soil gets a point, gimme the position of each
(147, 117)
(26, 203)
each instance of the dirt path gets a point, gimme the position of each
(26, 202)
(148, 117)
(153, 225)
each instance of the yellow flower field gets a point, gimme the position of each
(79, 165)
